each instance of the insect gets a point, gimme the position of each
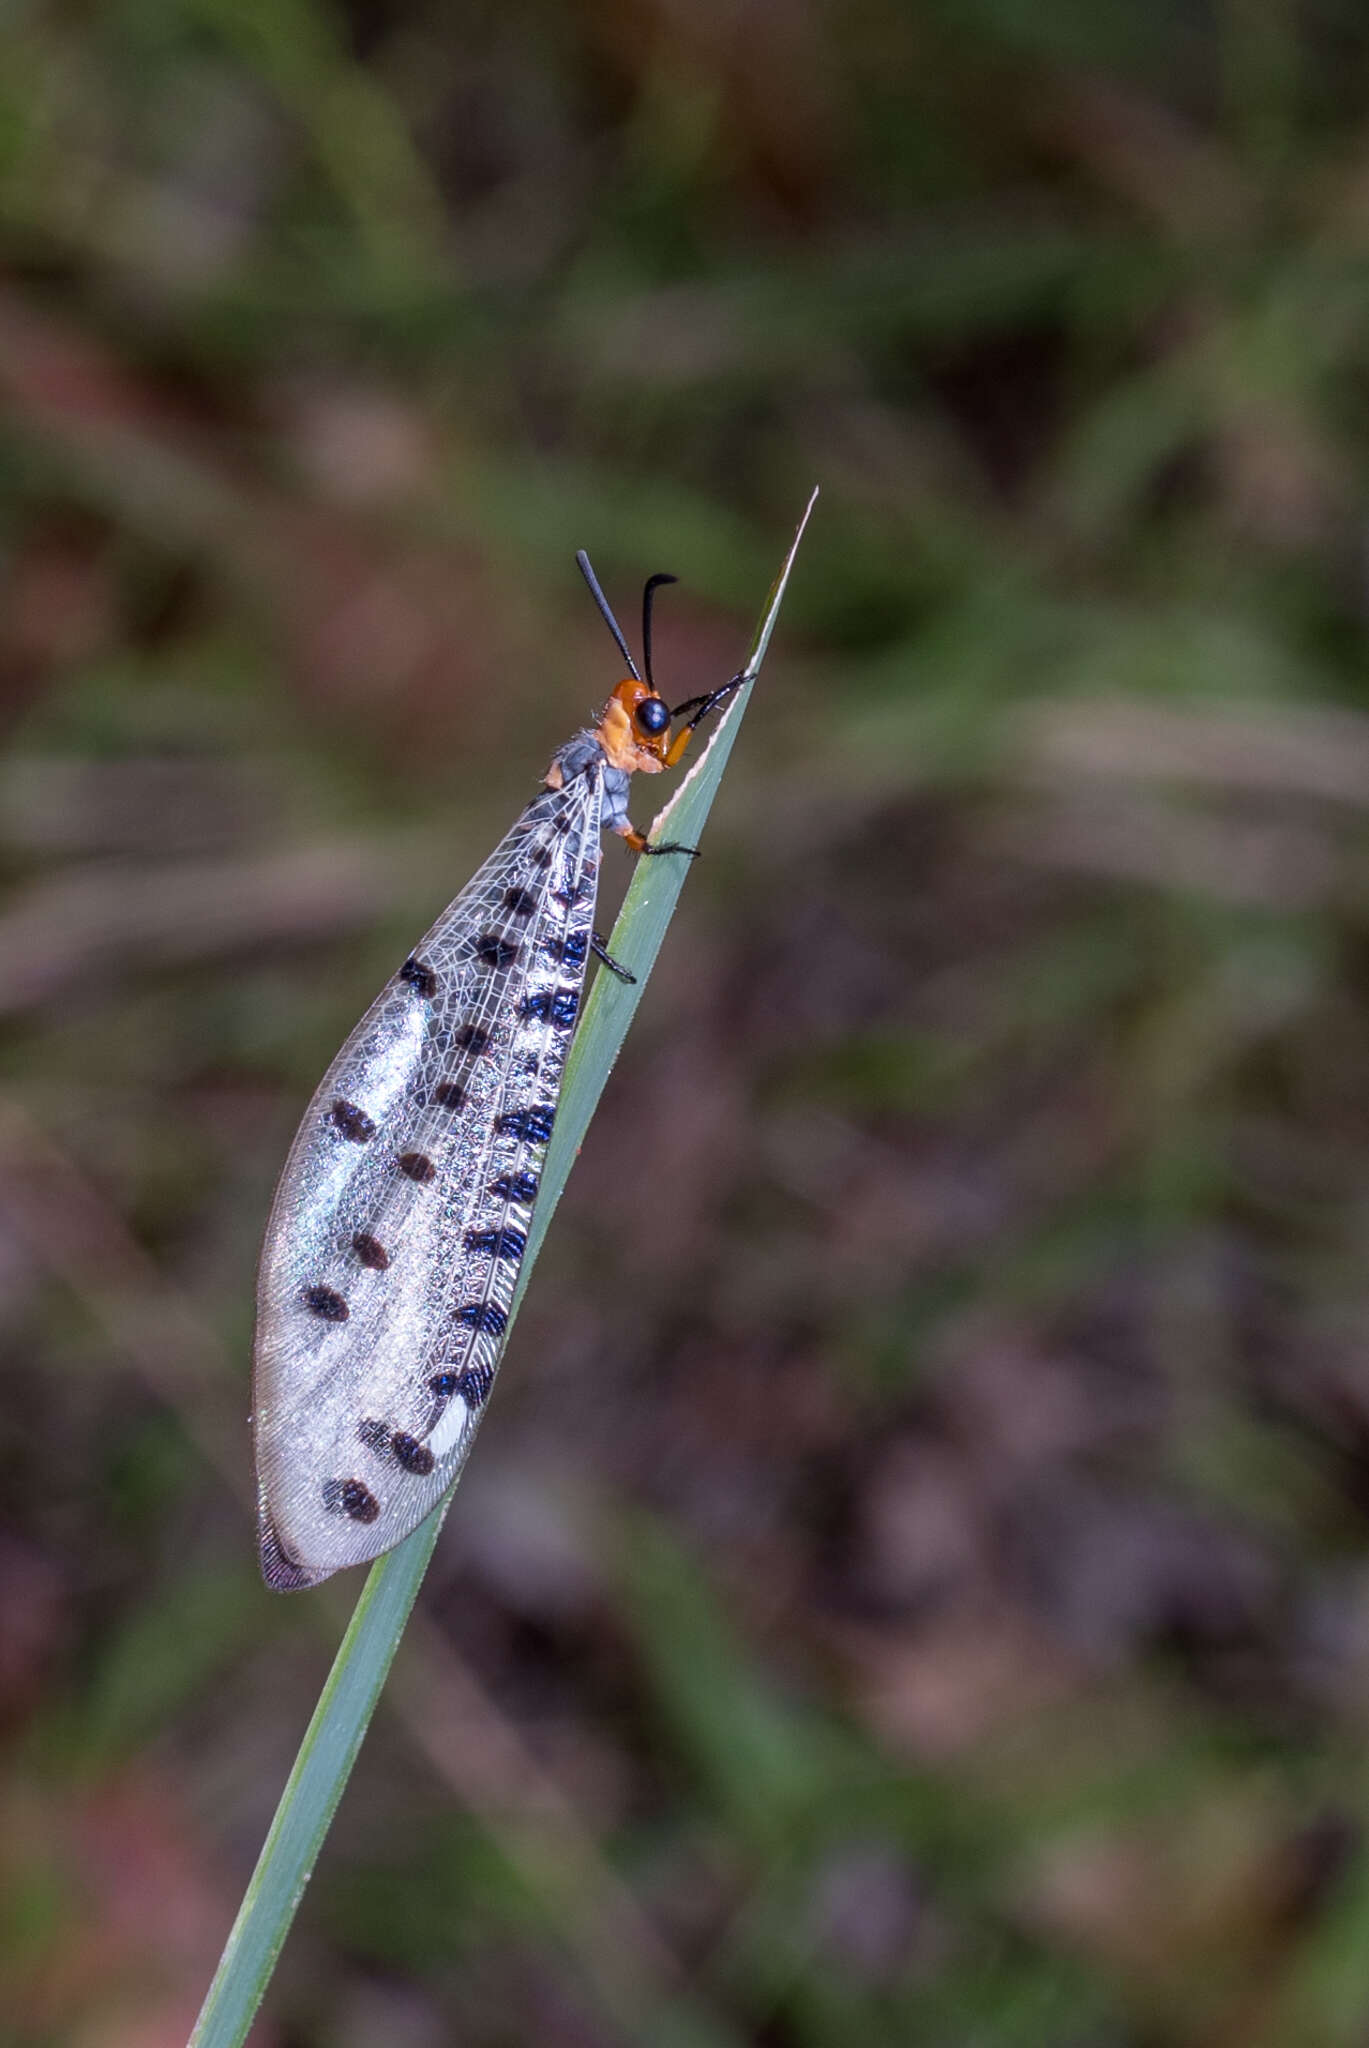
(403, 1210)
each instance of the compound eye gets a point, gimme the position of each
(652, 715)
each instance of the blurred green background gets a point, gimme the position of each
(912, 1585)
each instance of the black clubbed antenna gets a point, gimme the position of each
(582, 563)
(653, 584)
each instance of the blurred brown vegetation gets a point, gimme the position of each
(912, 1585)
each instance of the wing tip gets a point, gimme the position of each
(278, 1568)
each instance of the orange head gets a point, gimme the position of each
(634, 728)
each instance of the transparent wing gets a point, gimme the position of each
(403, 1210)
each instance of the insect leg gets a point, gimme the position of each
(639, 843)
(700, 706)
(601, 952)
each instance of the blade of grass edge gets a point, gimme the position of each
(367, 1650)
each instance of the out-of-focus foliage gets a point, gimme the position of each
(913, 1583)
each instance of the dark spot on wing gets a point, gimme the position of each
(473, 1383)
(412, 1455)
(533, 1125)
(571, 951)
(503, 1244)
(482, 1316)
(557, 1005)
(449, 1095)
(420, 978)
(540, 856)
(520, 902)
(471, 1038)
(353, 1122)
(495, 950)
(476, 1382)
(416, 1166)
(515, 1187)
(350, 1497)
(370, 1251)
(322, 1301)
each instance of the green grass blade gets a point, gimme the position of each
(362, 1664)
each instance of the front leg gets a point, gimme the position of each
(700, 706)
(639, 842)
